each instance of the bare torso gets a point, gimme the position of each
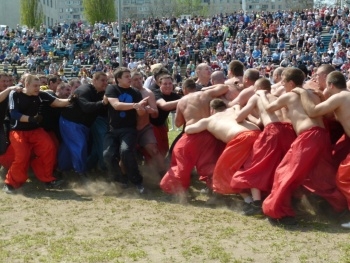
(295, 112)
(342, 113)
(224, 126)
(269, 117)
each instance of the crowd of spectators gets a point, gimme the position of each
(258, 39)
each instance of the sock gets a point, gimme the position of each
(248, 199)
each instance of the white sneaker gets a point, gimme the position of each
(346, 225)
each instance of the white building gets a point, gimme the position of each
(10, 13)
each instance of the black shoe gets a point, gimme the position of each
(253, 209)
(83, 178)
(9, 189)
(284, 221)
(54, 184)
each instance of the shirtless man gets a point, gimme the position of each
(217, 77)
(248, 90)
(308, 157)
(277, 88)
(188, 151)
(337, 103)
(146, 138)
(203, 72)
(239, 139)
(268, 150)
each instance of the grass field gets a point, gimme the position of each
(103, 223)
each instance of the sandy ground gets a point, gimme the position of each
(103, 223)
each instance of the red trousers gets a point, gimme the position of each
(268, 151)
(187, 154)
(309, 163)
(341, 149)
(7, 158)
(161, 134)
(24, 144)
(235, 154)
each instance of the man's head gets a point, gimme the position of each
(203, 72)
(262, 84)
(188, 86)
(63, 91)
(291, 78)
(99, 81)
(74, 84)
(53, 82)
(32, 85)
(137, 80)
(43, 80)
(217, 105)
(249, 77)
(235, 69)
(158, 72)
(335, 82)
(321, 75)
(217, 77)
(277, 74)
(122, 77)
(166, 84)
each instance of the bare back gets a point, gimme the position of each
(342, 112)
(269, 117)
(296, 113)
(224, 126)
(194, 106)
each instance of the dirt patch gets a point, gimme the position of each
(101, 222)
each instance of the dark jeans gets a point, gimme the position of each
(120, 145)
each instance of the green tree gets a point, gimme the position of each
(99, 10)
(31, 13)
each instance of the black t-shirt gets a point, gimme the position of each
(86, 108)
(122, 119)
(163, 115)
(27, 105)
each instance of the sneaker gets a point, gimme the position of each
(140, 189)
(9, 189)
(54, 184)
(254, 209)
(346, 225)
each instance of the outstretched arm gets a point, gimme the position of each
(197, 127)
(247, 109)
(276, 104)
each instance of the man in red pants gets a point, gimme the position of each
(308, 162)
(188, 151)
(337, 103)
(27, 137)
(268, 150)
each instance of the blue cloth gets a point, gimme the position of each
(73, 149)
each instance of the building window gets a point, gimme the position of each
(250, 7)
(264, 6)
(51, 3)
(139, 2)
(61, 10)
(76, 16)
(272, 6)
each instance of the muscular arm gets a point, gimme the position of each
(197, 127)
(60, 103)
(217, 91)
(275, 105)
(320, 109)
(167, 105)
(153, 110)
(6, 92)
(247, 109)
(242, 97)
